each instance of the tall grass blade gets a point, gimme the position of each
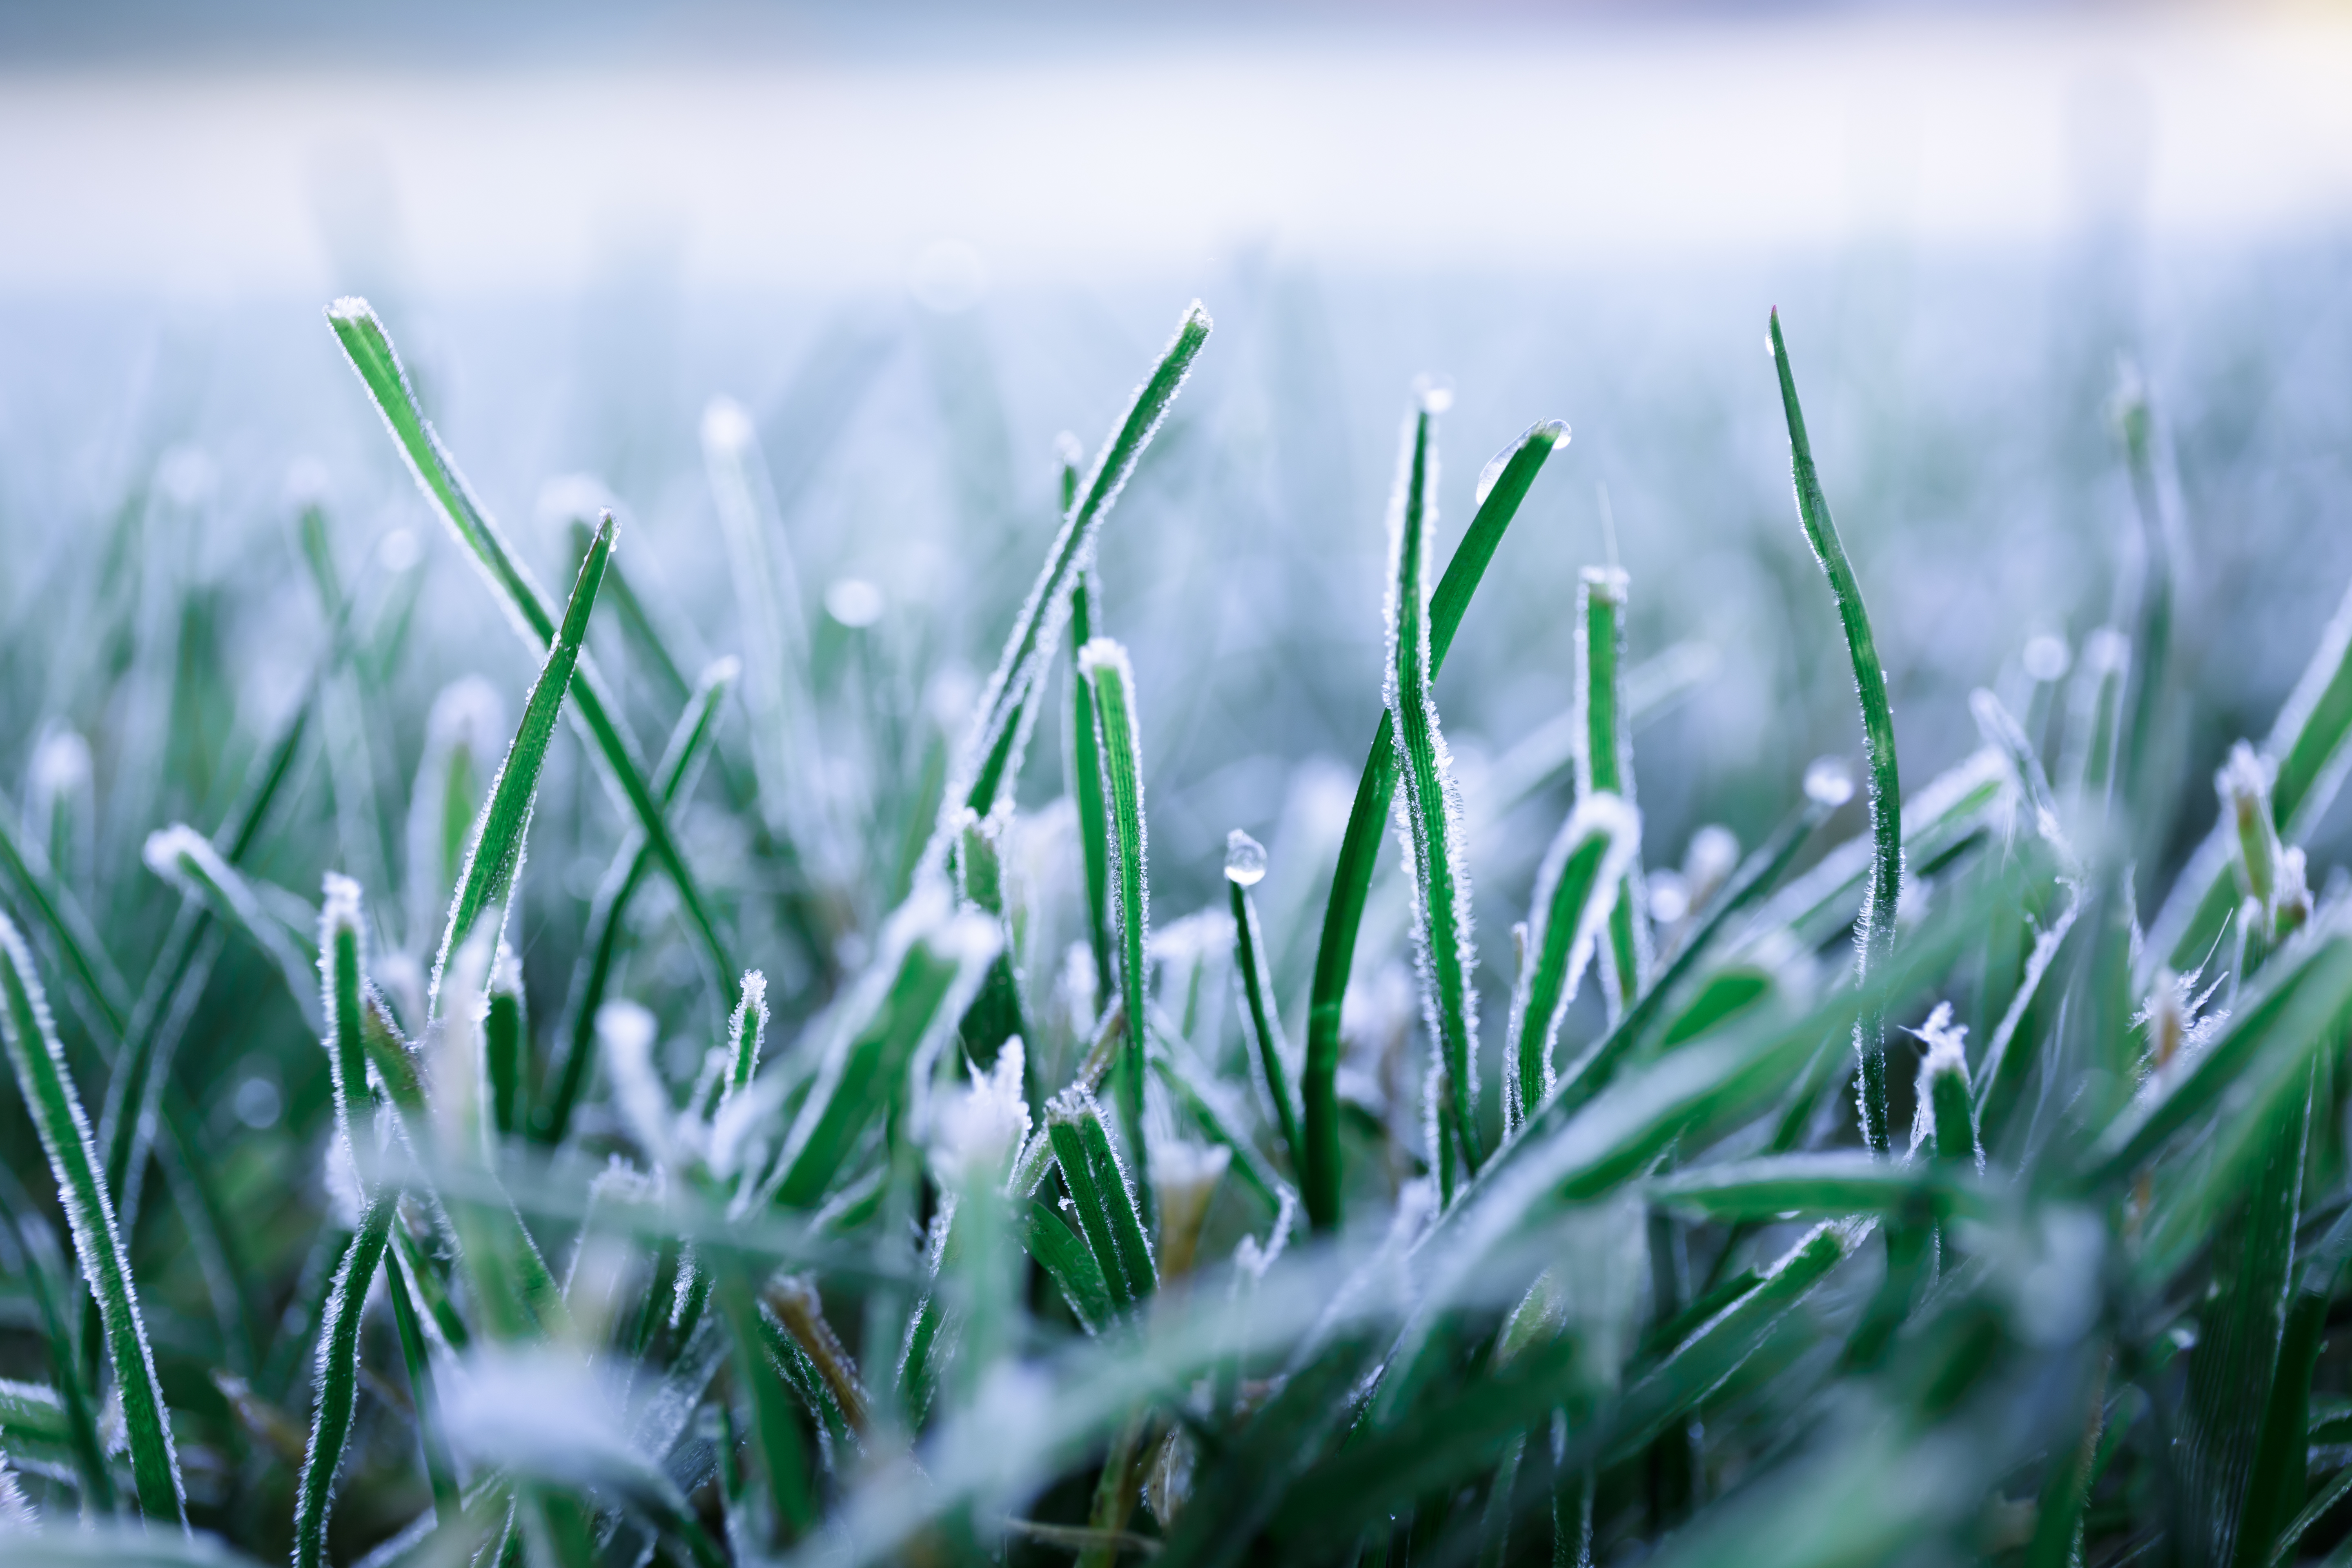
(39, 1060)
(1102, 1195)
(1351, 881)
(372, 356)
(1029, 647)
(1244, 868)
(338, 1379)
(1576, 886)
(495, 855)
(28, 1254)
(690, 742)
(1874, 938)
(1432, 820)
(1604, 765)
(1104, 667)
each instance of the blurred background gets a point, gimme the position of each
(916, 242)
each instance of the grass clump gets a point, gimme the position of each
(922, 1241)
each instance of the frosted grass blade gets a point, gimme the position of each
(1604, 765)
(1104, 667)
(1101, 1195)
(1821, 1186)
(186, 860)
(1069, 1261)
(746, 1032)
(1069, 556)
(338, 1380)
(777, 1448)
(775, 633)
(56, 913)
(342, 982)
(1874, 938)
(1086, 790)
(369, 350)
(496, 855)
(1432, 819)
(1245, 867)
(1576, 885)
(505, 1047)
(38, 1059)
(440, 1468)
(29, 1256)
(1351, 882)
(689, 742)
(929, 966)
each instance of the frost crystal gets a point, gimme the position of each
(978, 1132)
(625, 1038)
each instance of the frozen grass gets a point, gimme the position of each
(992, 1216)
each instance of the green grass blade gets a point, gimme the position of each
(39, 1060)
(30, 1256)
(440, 1468)
(1103, 665)
(689, 742)
(1069, 1262)
(1604, 765)
(1755, 879)
(372, 356)
(1101, 1195)
(506, 1047)
(1085, 781)
(1245, 867)
(1576, 885)
(342, 985)
(338, 1385)
(1875, 938)
(1351, 881)
(775, 632)
(930, 963)
(496, 856)
(1433, 815)
(746, 1032)
(779, 1451)
(1072, 552)
(1821, 1186)
(186, 860)
(54, 912)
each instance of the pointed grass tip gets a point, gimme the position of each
(1947, 1044)
(1432, 393)
(1547, 435)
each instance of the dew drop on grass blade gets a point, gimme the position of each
(1360, 848)
(38, 1059)
(1244, 868)
(1432, 819)
(496, 856)
(1875, 935)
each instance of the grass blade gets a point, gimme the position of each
(1433, 815)
(1101, 1195)
(1604, 765)
(689, 743)
(1351, 881)
(339, 1368)
(39, 1060)
(1086, 780)
(496, 856)
(440, 1468)
(372, 356)
(1071, 554)
(1103, 665)
(1244, 868)
(1875, 938)
(1576, 885)
(29, 1255)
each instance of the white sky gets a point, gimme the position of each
(1532, 150)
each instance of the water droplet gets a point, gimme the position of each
(1829, 781)
(1435, 393)
(1245, 859)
